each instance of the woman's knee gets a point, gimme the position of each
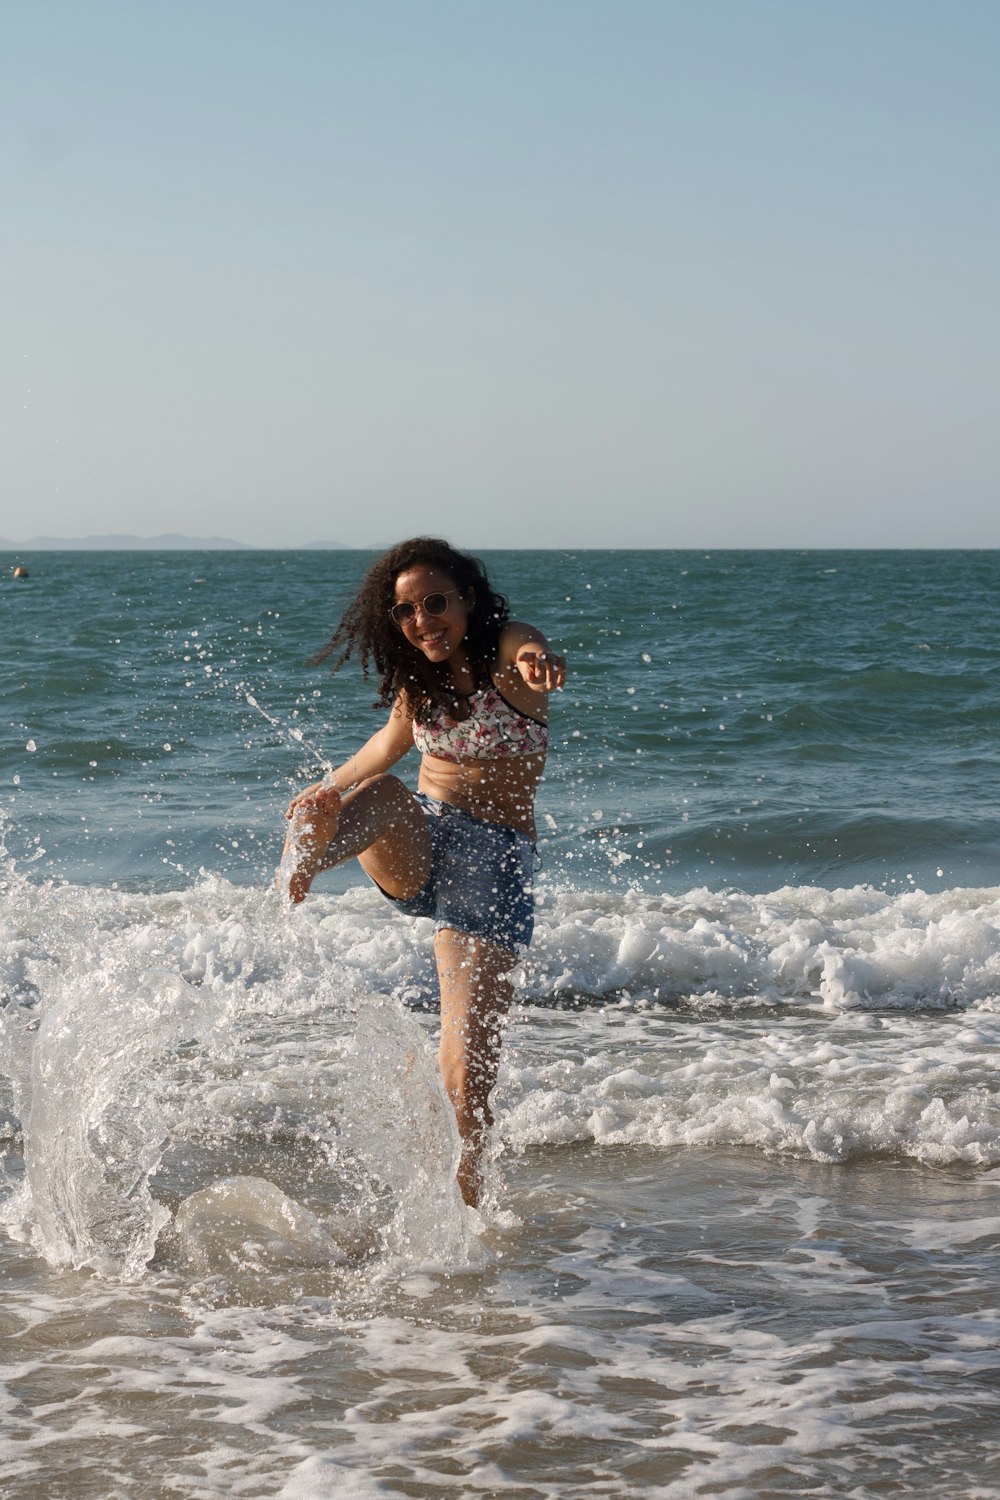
(382, 785)
(383, 803)
(391, 831)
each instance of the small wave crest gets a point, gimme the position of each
(858, 947)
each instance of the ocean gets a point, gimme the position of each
(742, 1229)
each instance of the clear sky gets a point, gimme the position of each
(527, 273)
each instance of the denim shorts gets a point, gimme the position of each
(480, 880)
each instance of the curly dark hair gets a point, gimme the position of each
(367, 628)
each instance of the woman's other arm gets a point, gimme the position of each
(386, 747)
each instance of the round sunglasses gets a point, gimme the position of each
(431, 604)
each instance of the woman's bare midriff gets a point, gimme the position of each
(500, 791)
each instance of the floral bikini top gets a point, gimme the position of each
(494, 729)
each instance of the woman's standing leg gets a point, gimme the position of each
(476, 992)
(379, 822)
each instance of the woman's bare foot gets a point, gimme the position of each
(470, 1172)
(312, 823)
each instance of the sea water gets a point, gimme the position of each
(742, 1228)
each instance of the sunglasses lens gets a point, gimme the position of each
(402, 613)
(436, 604)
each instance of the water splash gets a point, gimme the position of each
(201, 1054)
(252, 1223)
(101, 1113)
(290, 732)
(294, 735)
(406, 1135)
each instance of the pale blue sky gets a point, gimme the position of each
(719, 273)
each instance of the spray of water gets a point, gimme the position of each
(290, 732)
(101, 1114)
(200, 1080)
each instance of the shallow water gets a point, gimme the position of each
(742, 1232)
(732, 1246)
(685, 1324)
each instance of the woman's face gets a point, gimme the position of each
(438, 636)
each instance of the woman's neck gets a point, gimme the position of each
(462, 674)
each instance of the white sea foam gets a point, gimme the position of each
(848, 948)
(160, 1045)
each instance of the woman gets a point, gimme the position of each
(469, 688)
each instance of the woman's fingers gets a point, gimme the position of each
(543, 669)
(558, 668)
(318, 797)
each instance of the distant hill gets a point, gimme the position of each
(169, 542)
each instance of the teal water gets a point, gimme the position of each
(742, 1236)
(738, 718)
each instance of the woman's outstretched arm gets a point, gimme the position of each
(525, 656)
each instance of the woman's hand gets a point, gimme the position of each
(321, 797)
(541, 668)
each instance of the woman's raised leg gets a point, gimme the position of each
(476, 993)
(379, 822)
